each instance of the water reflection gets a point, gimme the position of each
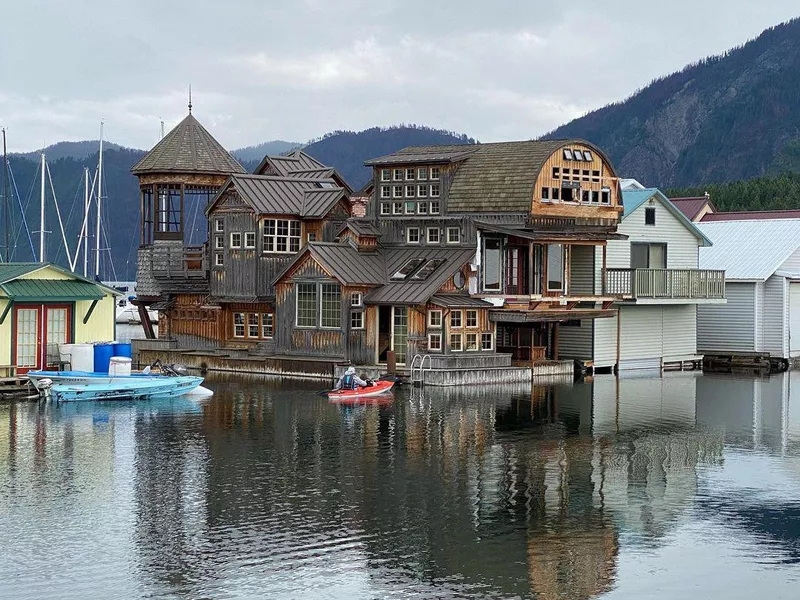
(268, 490)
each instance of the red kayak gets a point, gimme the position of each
(376, 389)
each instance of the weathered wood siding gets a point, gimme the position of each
(729, 327)
(193, 324)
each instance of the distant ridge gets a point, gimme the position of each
(79, 149)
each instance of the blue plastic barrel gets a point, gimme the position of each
(102, 357)
(122, 350)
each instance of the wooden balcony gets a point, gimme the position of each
(665, 284)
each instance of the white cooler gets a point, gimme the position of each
(119, 366)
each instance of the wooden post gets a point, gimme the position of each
(619, 336)
(603, 272)
(555, 340)
(391, 362)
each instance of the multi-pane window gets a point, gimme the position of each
(398, 191)
(238, 324)
(219, 225)
(311, 237)
(357, 319)
(386, 191)
(434, 208)
(455, 342)
(252, 325)
(218, 260)
(330, 305)
(219, 242)
(453, 235)
(434, 235)
(168, 215)
(410, 173)
(411, 207)
(486, 341)
(435, 342)
(471, 340)
(250, 240)
(306, 304)
(410, 190)
(435, 318)
(422, 172)
(397, 208)
(386, 174)
(422, 190)
(472, 318)
(434, 173)
(596, 176)
(434, 191)
(236, 239)
(556, 172)
(422, 208)
(412, 235)
(356, 299)
(267, 325)
(386, 208)
(455, 319)
(398, 174)
(281, 236)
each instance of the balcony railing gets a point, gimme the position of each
(179, 262)
(665, 283)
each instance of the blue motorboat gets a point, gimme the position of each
(82, 377)
(120, 388)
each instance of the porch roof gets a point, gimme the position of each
(548, 235)
(459, 301)
(539, 316)
(51, 290)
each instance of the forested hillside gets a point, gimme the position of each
(762, 193)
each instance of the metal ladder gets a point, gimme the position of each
(418, 371)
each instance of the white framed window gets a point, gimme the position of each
(472, 318)
(386, 174)
(356, 299)
(435, 319)
(455, 342)
(218, 260)
(281, 236)
(398, 174)
(357, 319)
(397, 208)
(386, 191)
(422, 173)
(219, 242)
(267, 325)
(412, 235)
(434, 235)
(455, 319)
(398, 191)
(219, 225)
(386, 208)
(453, 235)
(487, 341)
(411, 208)
(410, 189)
(471, 342)
(253, 326)
(434, 173)
(422, 208)
(422, 190)
(605, 196)
(238, 325)
(434, 208)
(410, 174)
(250, 240)
(236, 239)
(434, 190)
(311, 236)
(434, 342)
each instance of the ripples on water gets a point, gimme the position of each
(674, 487)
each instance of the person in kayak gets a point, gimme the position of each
(350, 381)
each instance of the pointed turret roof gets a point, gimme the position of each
(188, 148)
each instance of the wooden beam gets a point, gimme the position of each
(90, 311)
(149, 332)
(6, 311)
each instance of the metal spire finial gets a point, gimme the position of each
(190, 98)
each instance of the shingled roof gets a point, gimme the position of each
(188, 148)
(496, 177)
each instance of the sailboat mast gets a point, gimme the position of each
(85, 229)
(41, 213)
(6, 200)
(99, 206)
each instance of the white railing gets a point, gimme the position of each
(665, 283)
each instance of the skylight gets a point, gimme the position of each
(567, 154)
(427, 269)
(407, 269)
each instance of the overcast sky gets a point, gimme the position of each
(294, 70)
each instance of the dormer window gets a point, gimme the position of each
(422, 173)
(568, 154)
(410, 174)
(398, 174)
(434, 173)
(386, 174)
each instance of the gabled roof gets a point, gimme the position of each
(749, 250)
(296, 160)
(361, 227)
(751, 215)
(11, 272)
(633, 199)
(269, 195)
(188, 148)
(345, 263)
(691, 207)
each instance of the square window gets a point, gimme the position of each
(411, 207)
(455, 319)
(422, 190)
(236, 239)
(219, 225)
(412, 235)
(386, 191)
(386, 174)
(397, 208)
(556, 172)
(434, 191)
(422, 208)
(219, 242)
(434, 235)
(410, 174)
(386, 208)
(252, 325)
(567, 154)
(434, 173)
(410, 189)
(453, 235)
(398, 174)
(250, 240)
(472, 318)
(596, 176)
(267, 325)
(545, 193)
(649, 215)
(357, 319)
(585, 175)
(311, 237)
(435, 318)
(422, 172)
(355, 299)
(434, 208)
(455, 342)
(398, 191)
(471, 342)
(434, 342)
(238, 325)
(218, 261)
(486, 341)
(576, 173)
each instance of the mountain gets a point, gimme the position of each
(724, 118)
(345, 150)
(256, 153)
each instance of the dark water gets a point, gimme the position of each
(676, 487)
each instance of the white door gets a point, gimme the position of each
(400, 333)
(794, 319)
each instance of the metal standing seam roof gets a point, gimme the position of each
(312, 173)
(749, 250)
(459, 301)
(743, 215)
(268, 194)
(691, 207)
(361, 227)
(51, 289)
(188, 148)
(344, 262)
(633, 199)
(12, 271)
(418, 292)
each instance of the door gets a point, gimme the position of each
(516, 270)
(400, 333)
(794, 319)
(38, 331)
(28, 348)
